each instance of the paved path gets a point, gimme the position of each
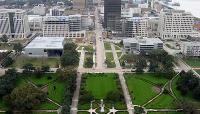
(117, 63)
(126, 94)
(81, 61)
(75, 98)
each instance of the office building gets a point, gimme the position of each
(14, 23)
(35, 22)
(175, 24)
(39, 10)
(45, 47)
(191, 49)
(57, 11)
(74, 23)
(141, 44)
(136, 26)
(112, 14)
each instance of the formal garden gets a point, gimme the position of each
(193, 62)
(107, 46)
(110, 62)
(101, 92)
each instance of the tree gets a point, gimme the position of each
(70, 46)
(69, 59)
(89, 62)
(197, 93)
(18, 47)
(140, 64)
(28, 68)
(45, 68)
(25, 97)
(114, 96)
(4, 38)
(153, 66)
(7, 62)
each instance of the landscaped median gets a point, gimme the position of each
(110, 60)
(97, 87)
(107, 46)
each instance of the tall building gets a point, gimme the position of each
(39, 10)
(57, 11)
(175, 24)
(75, 23)
(14, 23)
(136, 26)
(112, 14)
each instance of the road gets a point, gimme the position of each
(100, 56)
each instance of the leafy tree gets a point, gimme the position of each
(197, 93)
(25, 97)
(114, 96)
(28, 68)
(4, 38)
(69, 59)
(18, 47)
(140, 64)
(7, 62)
(89, 62)
(45, 68)
(153, 66)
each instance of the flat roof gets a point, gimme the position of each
(46, 43)
(143, 41)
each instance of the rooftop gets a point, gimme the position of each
(46, 43)
(142, 41)
(12, 10)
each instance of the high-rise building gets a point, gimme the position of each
(175, 24)
(57, 11)
(112, 14)
(14, 23)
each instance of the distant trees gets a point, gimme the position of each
(70, 56)
(25, 97)
(28, 68)
(7, 62)
(8, 82)
(189, 83)
(18, 47)
(45, 68)
(4, 39)
(140, 64)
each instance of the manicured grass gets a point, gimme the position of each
(165, 113)
(6, 46)
(100, 84)
(44, 78)
(47, 106)
(193, 62)
(187, 98)
(198, 71)
(83, 112)
(44, 113)
(119, 54)
(121, 112)
(87, 48)
(141, 86)
(107, 46)
(37, 62)
(163, 101)
(117, 47)
(56, 94)
(110, 60)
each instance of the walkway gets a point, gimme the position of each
(116, 59)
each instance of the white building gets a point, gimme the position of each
(136, 26)
(45, 47)
(35, 22)
(14, 23)
(191, 49)
(57, 11)
(75, 23)
(39, 10)
(176, 24)
(141, 44)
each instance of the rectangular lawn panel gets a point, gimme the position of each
(165, 113)
(193, 62)
(117, 47)
(20, 61)
(56, 91)
(140, 91)
(162, 102)
(107, 46)
(100, 84)
(47, 106)
(44, 113)
(110, 60)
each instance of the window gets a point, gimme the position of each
(30, 53)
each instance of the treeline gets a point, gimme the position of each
(189, 84)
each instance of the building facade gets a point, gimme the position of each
(175, 24)
(14, 23)
(141, 44)
(191, 49)
(112, 14)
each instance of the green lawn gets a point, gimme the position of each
(37, 62)
(87, 48)
(165, 113)
(142, 86)
(6, 46)
(44, 113)
(2, 105)
(110, 60)
(83, 112)
(44, 79)
(193, 62)
(187, 98)
(47, 106)
(100, 84)
(121, 113)
(107, 46)
(117, 47)
(58, 94)
(119, 54)
(163, 101)
(198, 71)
